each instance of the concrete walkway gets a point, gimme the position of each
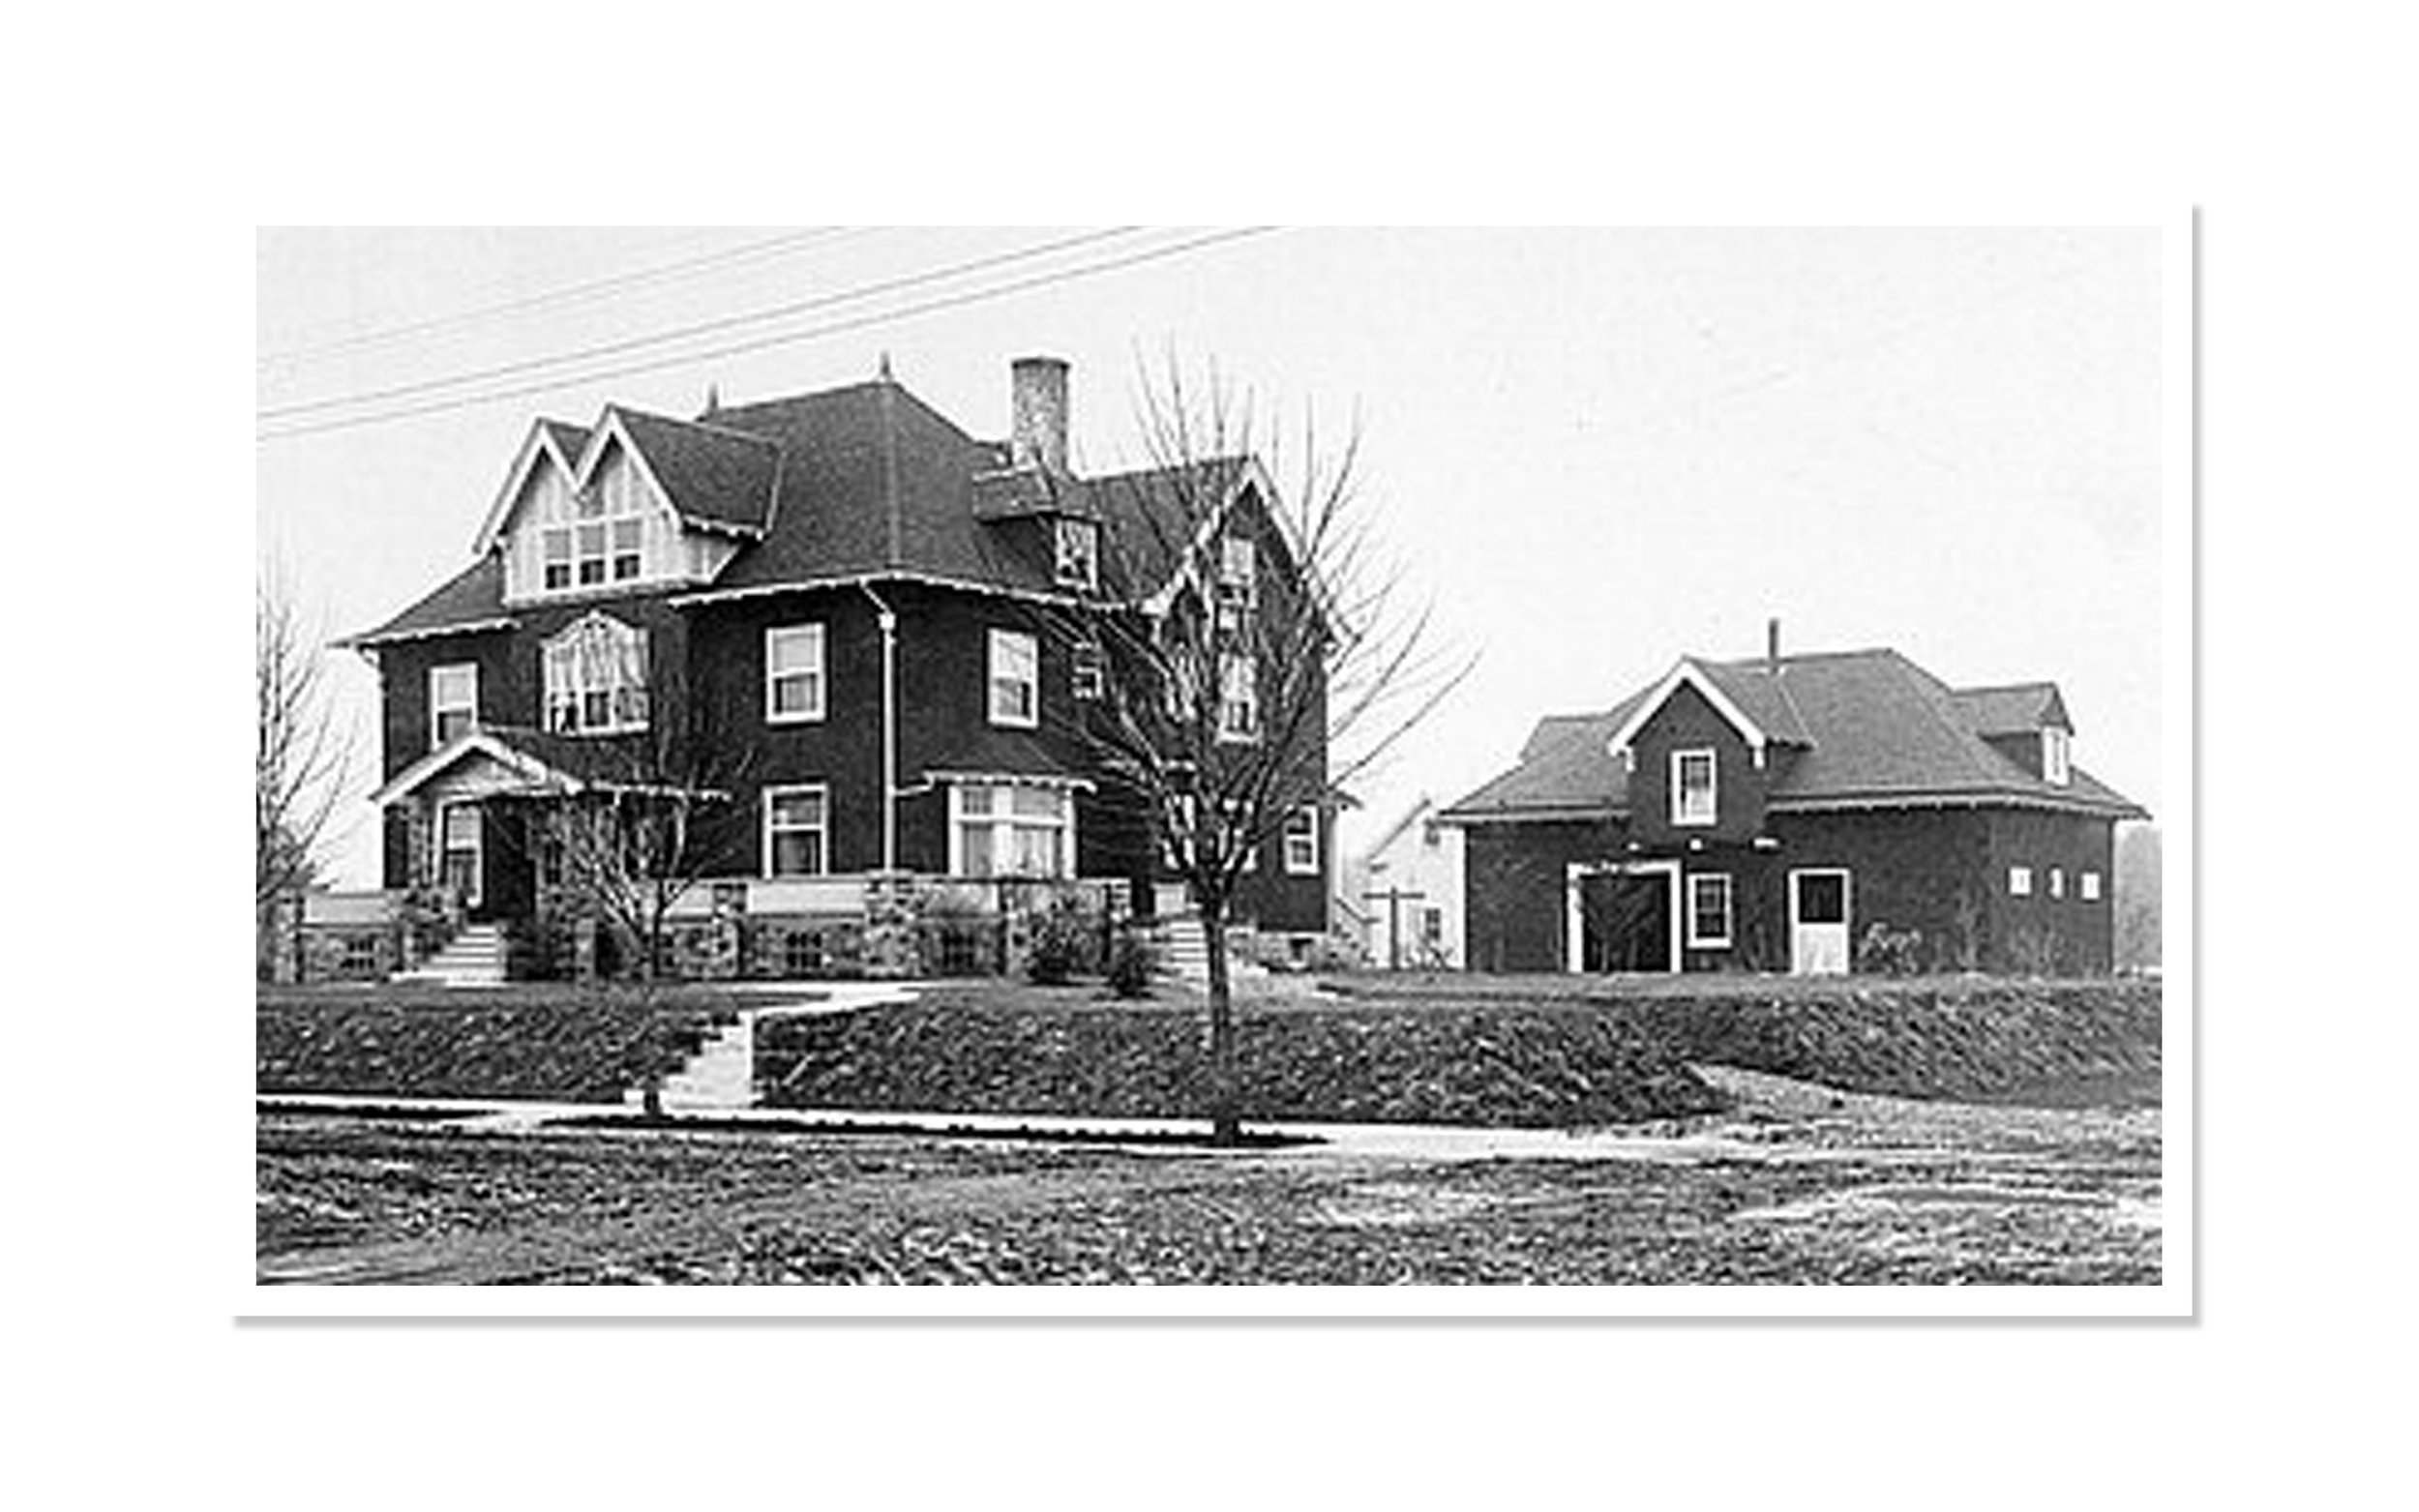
(721, 1076)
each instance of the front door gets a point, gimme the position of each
(461, 851)
(1818, 922)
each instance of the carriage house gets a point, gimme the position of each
(852, 590)
(1807, 813)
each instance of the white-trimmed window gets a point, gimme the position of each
(2091, 887)
(1708, 910)
(1694, 799)
(2019, 881)
(453, 701)
(2057, 881)
(598, 535)
(595, 676)
(2056, 749)
(1011, 829)
(1302, 842)
(1015, 679)
(1238, 697)
(1076, 549)
(793, 674)
(1089, 671)
(798, 830)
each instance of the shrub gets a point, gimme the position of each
(1889, 952)
(1130, 963)
(1056, 948)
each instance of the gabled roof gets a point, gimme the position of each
(2018, 709)
(544, 762)
(712, 477)
(1877, 732)
(1749, 696)
(856, 482)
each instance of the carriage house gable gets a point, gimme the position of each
(1699, 764)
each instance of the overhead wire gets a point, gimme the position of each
(584, 292)
(958, 300)
(690, 332)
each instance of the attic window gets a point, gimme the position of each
(1077, 544)
(1238, 570)
(2055, 744)
(1694, 800)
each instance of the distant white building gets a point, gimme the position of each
(1409, 893)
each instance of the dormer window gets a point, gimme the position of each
(597, 536)
(1077, 552)
(1238, 570)
(1694, 800)
(2054, 753)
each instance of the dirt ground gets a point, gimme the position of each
(1798, 1184)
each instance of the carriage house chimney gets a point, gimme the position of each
(1772, 647)
(1037, 396)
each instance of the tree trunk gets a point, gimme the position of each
(1226, 1125)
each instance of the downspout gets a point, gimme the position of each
(888, 620)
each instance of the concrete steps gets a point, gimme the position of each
(720, 1077)
(1184, 954)
(472, 958)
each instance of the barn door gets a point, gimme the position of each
(1818, 922)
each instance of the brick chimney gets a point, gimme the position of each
(1037, 403)
(1772, 647)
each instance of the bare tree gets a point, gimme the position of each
(303, 753)
(1235, 685)
(652, 817)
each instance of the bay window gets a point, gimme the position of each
(1011, 829)
(595, 675)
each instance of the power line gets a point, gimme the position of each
(759, 343)
(575, 293)
(782, 312)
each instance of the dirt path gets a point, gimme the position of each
(1798, 1184)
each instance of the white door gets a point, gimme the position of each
(1818, 922)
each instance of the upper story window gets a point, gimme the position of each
(2055, 750)
(1238, 569)
(1238, 697)
(1076, 548)
(797, 825)
(453, 701)
(595, 674)
(1302, 842)
(597, 536)
(793, 674)
(1011, 829)
(1015, 679)
(1694, 800)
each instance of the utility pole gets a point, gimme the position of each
(1395, 897)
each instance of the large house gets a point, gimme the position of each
(1811, 813)
(857, 591)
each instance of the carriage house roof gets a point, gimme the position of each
(1868, 729)
(863, 481)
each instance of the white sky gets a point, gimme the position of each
(1597, 449)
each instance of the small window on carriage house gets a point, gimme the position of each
(1076, 549)
(1694, 799)
(2055, 753)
